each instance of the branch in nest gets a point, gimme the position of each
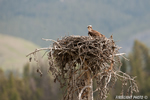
(40, 49)
(53, 41)
(37, 50)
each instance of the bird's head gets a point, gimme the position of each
(89, 27)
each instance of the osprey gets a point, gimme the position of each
(94, 33)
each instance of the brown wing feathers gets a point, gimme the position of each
(94, 33)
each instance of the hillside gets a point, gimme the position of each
(127, 44)
(13, 52)
(35, 19)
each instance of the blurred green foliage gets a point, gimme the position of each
(139, 66)
(30, 87)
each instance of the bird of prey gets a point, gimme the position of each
(94, 33)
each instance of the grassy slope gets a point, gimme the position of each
(13, 52)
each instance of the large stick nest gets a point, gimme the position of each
(70, 58)
(97, 53)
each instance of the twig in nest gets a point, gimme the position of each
(52, 40)
(37, 50)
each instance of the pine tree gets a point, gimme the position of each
(26, 72)
(124, 65)
(13, 93)
(138, 62)
(3, 81)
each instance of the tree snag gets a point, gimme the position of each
(77, 61)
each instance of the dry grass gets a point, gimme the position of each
(13, 51)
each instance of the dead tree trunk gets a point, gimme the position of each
(88, 84)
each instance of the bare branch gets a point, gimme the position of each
(37, 50)
(52, 40)
(82, 91)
